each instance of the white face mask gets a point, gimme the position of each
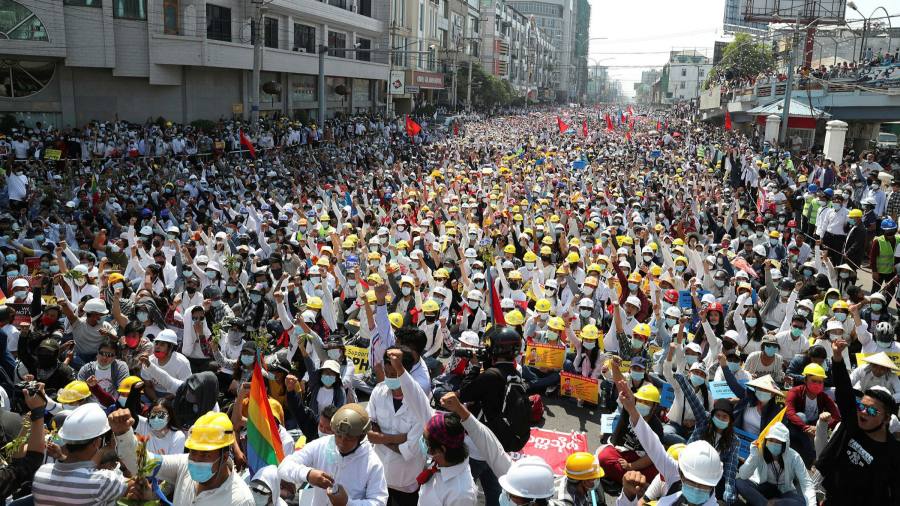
(406, 290)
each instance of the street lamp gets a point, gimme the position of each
(866, 21)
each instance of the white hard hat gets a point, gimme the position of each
(81, 268)
(167, 336)
(528, 478)
(469, 338)
(309, 316)
(700, 463)
(760, 250)
(551, 283)
(332, 366)
(674, 312)
(314, 271)
(634, 301)
(507, 304)
(471, 253)
(20, 283)
(95, 305)
(586, 303)
(201, 259)
(507, 265)
(708, 298)
(834, 325)
(84, 423)
(146, 230)
(474, 294)
(808, 304)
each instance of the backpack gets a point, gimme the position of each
(512, 425)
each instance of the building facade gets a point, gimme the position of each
(556, 18)
(684, 76)
(187, 59)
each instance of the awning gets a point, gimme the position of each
(798, 110)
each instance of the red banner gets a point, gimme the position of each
(553, 447)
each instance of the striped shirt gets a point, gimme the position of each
(76, 483)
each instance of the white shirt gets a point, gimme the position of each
(12, 337)
(167, 378)
(360, 473)
(450, 486)
(17, 185)
(410, 419)
(172, 443)
(174, 468)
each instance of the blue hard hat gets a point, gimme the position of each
(829, 192)
(888, 224)
(787, 154)
(812, 188)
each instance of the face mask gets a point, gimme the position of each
(844, 275)
(773, 242)
(122, 400)
(803, 312)
(201, 472)
(750, 321)
(807, 272)
(679, 268)
(830, 301)
(423, 446)
(247, 359)
(637, 343)
(642, 409)
(720, 283)
(211, 274)
(815, 388)
(11, 258)
(775, 448)
(589, 345)
(334, 354)
(840, 316)
(585, 313)
(103, 367)
(648, 258)
(694, 495)
(670, 322)
(876, 306)
(160, 355)
(734, 366)
(14, 273)
(795, 332)
(770, 351)
(255, 297)
(504, 500)
(231, 289)
(328, 380)
(54, 268)
(20, 294)
(158, 422)
(763, 397)
(142, 316)
(588, 291)
(392, 383)
(632, 286)
(132, 341)
(696, 379)
(552, 336)
(835, 206)
(637, 375)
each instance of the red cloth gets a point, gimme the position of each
(245, 141)
(412, 128)
(727, 120)
(609, 461)
(561, 124)
(609, 124)
(584, 130)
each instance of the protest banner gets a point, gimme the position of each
(546, 356)
(22, 314)
(745, 439)
(578, 387)
(360, 358)
(720, 390)
(552, 446)
(895, 358)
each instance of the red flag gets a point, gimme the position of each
(456, 129)
(667, 124)
(727, 120)
(412, 128)
(609, 124)
(658, 125)
(245, 141)
(561, 124)
(630, 110)
(496, 311)
(584, 128)
(628, 135)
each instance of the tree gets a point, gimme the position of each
(742, 58)
(487, 90)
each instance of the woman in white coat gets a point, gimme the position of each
(775, 472)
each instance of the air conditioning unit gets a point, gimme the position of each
(300, 49)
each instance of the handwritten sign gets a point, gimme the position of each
(552, 446)
(52, 154)
(895, 357)
(745, 439)
(546, 356)
(578, 387)
(720, 390)
(360, 358)
(22, 314)
(608, 422)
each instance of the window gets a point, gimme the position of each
(170, 17)
(363, 44)
(683, 72)
(270, 35)
(20, 79)
(338, 3)
(337, 40)
(683, 83)
(19, 23)
(83, 3)
(305, 37)
(421, 17)
(364, 7)
(218, 23)
(130, 9)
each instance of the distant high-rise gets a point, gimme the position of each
(734, 21)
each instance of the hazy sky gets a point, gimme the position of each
(654, 27)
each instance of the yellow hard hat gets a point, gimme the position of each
(430, 306)
(396, 320)
(635, 277)
(591, 281)
(530, 257)
(655, 270)
(545, 250)
(647, 393)
(557, 323)
(583, 466)
(855, 213)
(641, 329)
(678, 242)
(681, 259)
(314, 302)
(840, 304)
(517, 217)
(374, 256)
(370, 296)
(441, 273)
(73, 392)
(554, 218)
(674, 451)
(210, 432)
(590, 332)
(509, 248)
(375, 278)
(514, 317)
(774, 234)
(814, 370)
(402, 244)
(539, 220)
(542, 306)
(594, 267)
(547, 240)
(127, 383)
(515, 276)
(575, 242)
(572, 257)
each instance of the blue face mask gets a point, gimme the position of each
(775, 448)
(670, 322)
(11, 258)
(423, 446)
(840, 316)
(770, 351)
(637, 375)
(734, 366)
(763, 397)
(637, 343)
(328, 380)
(697, 380)
(255, 297)
(157, 422)
(876, 306)
(796, 331)
(122, 400)
(642, 409)
(54, 268)
(201, 472)
(247, 359)
(750, 321)
(694, 495)
(719, 423)
(632, 287)
(690, 359)
(392, 383)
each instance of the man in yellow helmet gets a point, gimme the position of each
(204, 476)
(804, 404)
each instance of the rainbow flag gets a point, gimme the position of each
(263, 442)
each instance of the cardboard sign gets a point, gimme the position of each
(579, 387)
(52, 154)
(33, 264)
(666, 396)
(895, 357)
(545, 356)
(720, 390)
(23, 314)
(745, 440)
(360, 358)
(608, 422)
(553, 447)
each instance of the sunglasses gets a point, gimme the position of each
(869, 410)
(107, 354)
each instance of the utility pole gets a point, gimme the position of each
(321, 86)
(786, 108)
(257, 65)
(469, 83)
